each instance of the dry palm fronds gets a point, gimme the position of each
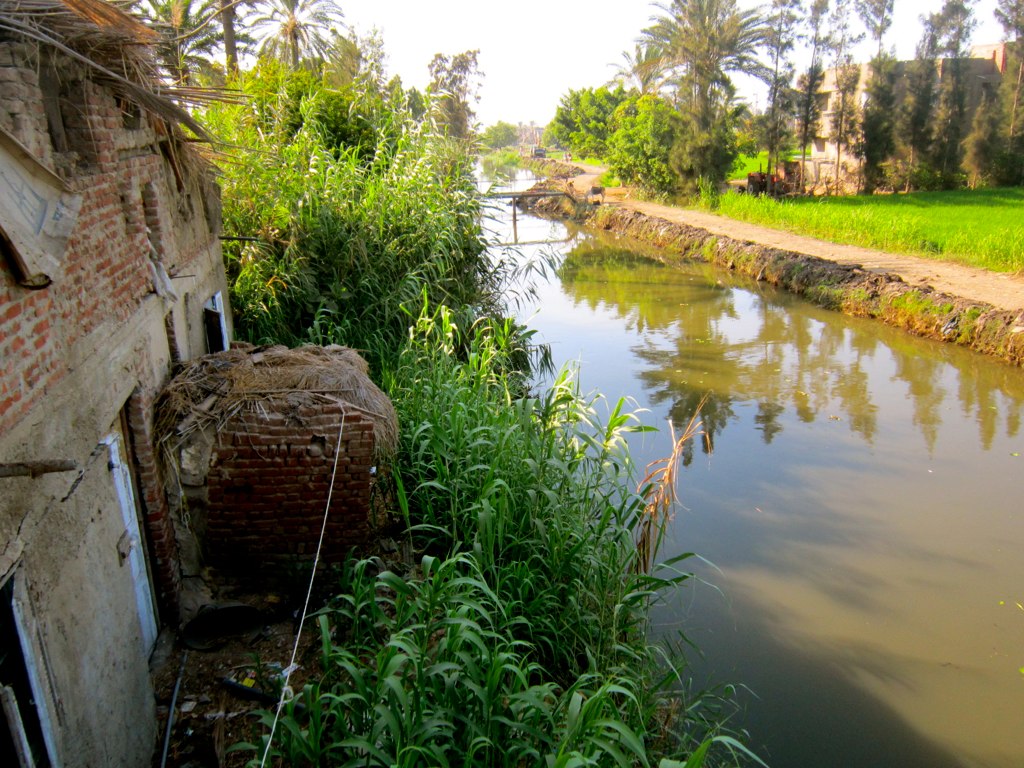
(659, 491)
(211, 389)
(79, 18)
(117, 47)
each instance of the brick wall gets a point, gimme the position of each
(269, 481)
(138, 202)
(21, 110)
(129, 196)
(80, 359)
(163, 548)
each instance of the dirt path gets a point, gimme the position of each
(1001, 290)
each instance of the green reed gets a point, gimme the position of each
(521, 637)
(339, 237)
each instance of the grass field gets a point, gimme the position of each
(749, 164)
(983, 228)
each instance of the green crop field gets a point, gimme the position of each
(983, 228)
(748, 164)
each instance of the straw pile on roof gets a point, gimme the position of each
(118, 48)
(211, 389)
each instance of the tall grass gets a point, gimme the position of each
(522, 637)
(978, 227)
(342, 237)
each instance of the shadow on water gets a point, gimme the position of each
(814, 701)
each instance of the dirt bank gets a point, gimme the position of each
(984, 312)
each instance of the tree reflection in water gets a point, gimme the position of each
(699, 338)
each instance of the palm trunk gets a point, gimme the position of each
(227, 21)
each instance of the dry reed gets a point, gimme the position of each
(211, 389)
(658, 488)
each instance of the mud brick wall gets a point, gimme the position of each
(163, 549)
(99, 330)
(21, 111)
(131, 207)
(269, 481)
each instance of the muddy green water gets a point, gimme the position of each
(862, 504)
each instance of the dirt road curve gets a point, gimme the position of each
(1000, 290)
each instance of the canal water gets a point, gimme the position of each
(857, 504)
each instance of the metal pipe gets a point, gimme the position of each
(170, 715)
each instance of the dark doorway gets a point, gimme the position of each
(21, 734)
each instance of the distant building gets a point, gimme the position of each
(985, 68)
(110, 273)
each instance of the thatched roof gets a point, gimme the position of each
(211, 389)
(117, 47)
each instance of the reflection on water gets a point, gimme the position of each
(698, 336)
(859, 492)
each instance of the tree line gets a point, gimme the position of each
(308, 35)
(672, 120)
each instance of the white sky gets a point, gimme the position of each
(533, 51)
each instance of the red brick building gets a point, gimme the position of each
(110, 271)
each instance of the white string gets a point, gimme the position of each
(287, 694)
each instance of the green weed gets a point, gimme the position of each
(521, 639)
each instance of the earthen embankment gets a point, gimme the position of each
(867, 289)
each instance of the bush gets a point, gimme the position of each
(646, 128)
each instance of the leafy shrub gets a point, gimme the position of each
(646, 128)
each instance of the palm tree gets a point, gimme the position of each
(293, 30)
(641, 69)
(227, 22)
(189, 34)
(702, 42)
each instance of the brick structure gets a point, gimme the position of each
(109, 253)
(269, 482)
(249, 437)
(163, 548)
